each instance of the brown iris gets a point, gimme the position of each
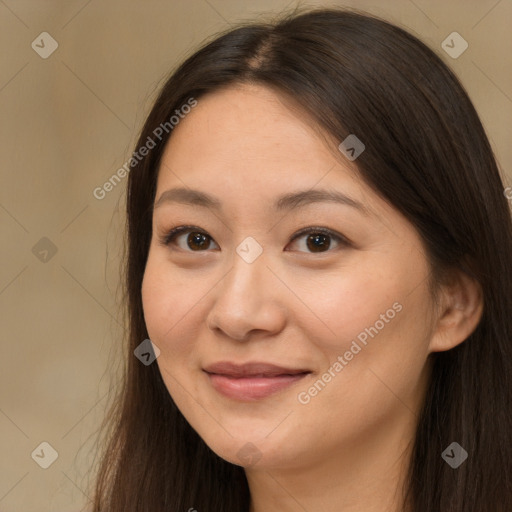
(196, 240)
(318, 242)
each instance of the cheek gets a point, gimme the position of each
(169, 316)
(174, 304)
(164, 303)
(374, 317)
(381, 351)
(341, 308)
(155, 301)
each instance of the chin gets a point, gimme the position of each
(260, 446)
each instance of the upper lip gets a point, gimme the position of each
(254, 369)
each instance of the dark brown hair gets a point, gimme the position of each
(428, 155)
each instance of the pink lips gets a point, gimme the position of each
(251, 381)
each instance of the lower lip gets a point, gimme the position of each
(252, 388)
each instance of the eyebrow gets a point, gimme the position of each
(289, 201)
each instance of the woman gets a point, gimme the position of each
(318, 250)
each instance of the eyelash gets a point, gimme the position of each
(173, 233)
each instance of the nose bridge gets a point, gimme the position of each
(245, 282)
(245, 298)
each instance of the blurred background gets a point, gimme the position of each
(77, 78)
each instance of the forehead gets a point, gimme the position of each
(252, 134)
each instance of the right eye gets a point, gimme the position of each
(196, 241)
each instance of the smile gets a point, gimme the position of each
(251, 381)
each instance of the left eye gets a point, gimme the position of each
(319, 239)
(315, 239)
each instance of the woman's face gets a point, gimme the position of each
(342, 310)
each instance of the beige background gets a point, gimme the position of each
(66, 124)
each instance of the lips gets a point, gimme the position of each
(251, 381)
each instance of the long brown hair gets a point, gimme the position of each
(428, 155)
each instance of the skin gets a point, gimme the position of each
(349, 445)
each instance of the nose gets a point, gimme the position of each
(247, 301)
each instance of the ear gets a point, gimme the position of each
(460, 310)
